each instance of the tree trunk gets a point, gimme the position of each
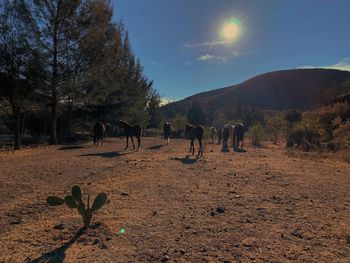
(17, 144)
(53, 131)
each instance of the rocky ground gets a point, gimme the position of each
(264, 205)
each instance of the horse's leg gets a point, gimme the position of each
(138, 143)
(133, 144)
(192, 144)
(127, 142)
(102, 141)
(200, 151)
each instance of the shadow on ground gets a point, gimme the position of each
(71, 147)
(155, 147)
(185, 160)
(107, 154)
(57, 255)
(240, 150)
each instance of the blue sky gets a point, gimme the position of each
(182, 49)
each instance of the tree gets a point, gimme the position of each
(155, 116)
(19, 63)
(196, 114)
(71, 36)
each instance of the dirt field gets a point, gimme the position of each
(258, 206)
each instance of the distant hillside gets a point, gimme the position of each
(298, 89)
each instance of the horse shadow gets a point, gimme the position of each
(225, 150)
(57, 255)
(70, 147)
(107, 154)
(239, 150)
(185, 160)
(155, 147)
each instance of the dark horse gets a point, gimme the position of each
(167, 129)
(194, 132)
(238, 134)
(99, 132)
(131, 131)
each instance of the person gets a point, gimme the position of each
(167, 130)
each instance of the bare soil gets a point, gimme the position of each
(263, 205)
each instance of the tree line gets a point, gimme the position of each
(71, 60)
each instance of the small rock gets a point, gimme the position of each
(154, 213)
(14, 221)
(124, 194)
(249, 242)
(182, 252)
(220, 209)
(227, 261)
(212, 213)
(165, 258)
(297, 233)
(59, 226)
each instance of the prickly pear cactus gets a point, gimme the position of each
(75, 201)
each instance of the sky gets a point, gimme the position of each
(191, 46)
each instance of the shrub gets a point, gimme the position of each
(75, 201)
(257, 134)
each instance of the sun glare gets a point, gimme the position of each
(230, 30)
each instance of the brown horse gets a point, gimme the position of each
(131, 131)
(98, 132)
(194, 132)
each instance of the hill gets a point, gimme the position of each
(299, 89)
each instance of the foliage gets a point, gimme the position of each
(256, 133)
(155, 115)
(307, 133)
(196, 115)
(276, 125)
(75, 201)
(77, 60)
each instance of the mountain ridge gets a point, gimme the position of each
(299, 89)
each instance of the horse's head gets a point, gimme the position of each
(188, 128)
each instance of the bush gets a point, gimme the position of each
(257, 134)
(307, 133)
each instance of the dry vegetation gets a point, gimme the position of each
(265, 205)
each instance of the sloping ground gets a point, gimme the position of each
(258, 206)
(299, 89)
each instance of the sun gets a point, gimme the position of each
(230, 30)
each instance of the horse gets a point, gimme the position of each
(238, 134)
(212, 133)
(219, 136)
(194, 132)
(226, 132)
(167, 129)
(98, 132)
(131, 131)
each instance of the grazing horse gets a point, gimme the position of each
(131, 131)
(238, 134)
(98, 132)
(212, 133)
(219, 135)
(167, 129)
(194, 132)
(226, 132)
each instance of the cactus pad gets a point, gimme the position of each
(99, 201)
(76, 193)
(70, 202)
(54, 201)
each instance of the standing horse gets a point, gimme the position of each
(212, 133)
(167, 129)
(98, 132)
(238, 134)
(194, 132)
(226, 132)
(219, 135)
(131, 131)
